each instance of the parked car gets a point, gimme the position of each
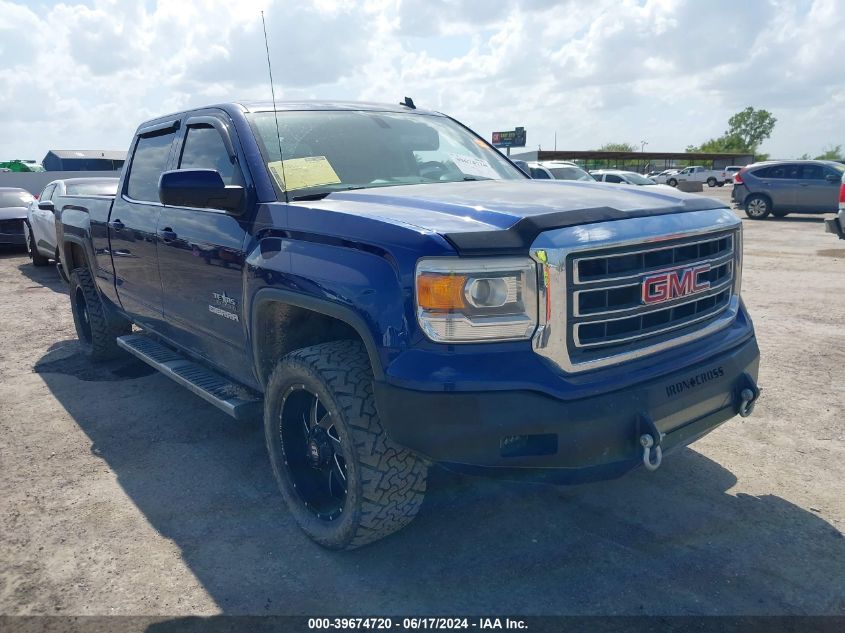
(782, 187)
(619, 176)
(837, 225)
(663, 177)
(696, 173)
(40, 227)
(389, 291)
(13, 204)
(653, 174)
(729, 172)
(558, 170)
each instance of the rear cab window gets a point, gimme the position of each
(149, 160)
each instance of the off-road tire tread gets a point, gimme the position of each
(393, 479)
(104, 331)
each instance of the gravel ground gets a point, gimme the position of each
(122, 493)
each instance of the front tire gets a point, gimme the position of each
(96, 332)
(672, 182)
(37, 258)
(343, 479)
(758, 207)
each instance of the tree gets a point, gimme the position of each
(724, 143)
(746, 131)
(751, 127)
(831, 152)
(617, 147)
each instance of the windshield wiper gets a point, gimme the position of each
(322, 194)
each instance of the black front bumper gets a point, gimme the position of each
(529, 435)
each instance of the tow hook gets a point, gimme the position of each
(746, 406)
(647, 443)
(748, 396)
(650, 441)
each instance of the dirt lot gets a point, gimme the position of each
(122, 493)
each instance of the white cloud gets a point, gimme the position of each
(668, 71)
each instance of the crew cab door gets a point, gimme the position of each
(132, 226)
(201, 255)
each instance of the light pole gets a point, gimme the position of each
(642, 145)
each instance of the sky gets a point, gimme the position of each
(83, 75)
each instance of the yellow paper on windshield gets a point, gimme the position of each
(299, 173)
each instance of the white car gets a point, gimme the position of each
(40, 226)
(729, 172)
(557, 170)
(696, 173)
(619, 176)
(664, 176)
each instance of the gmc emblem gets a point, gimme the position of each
(674, 284)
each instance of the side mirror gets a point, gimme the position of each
(201, 189)
(47, 205)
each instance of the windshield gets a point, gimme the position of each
(15, 198)
(637, 179)
(569, 173)
(96, 188)
(327, 151)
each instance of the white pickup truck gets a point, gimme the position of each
(712, 177)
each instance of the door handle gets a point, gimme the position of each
(117, 225)
(167, 234)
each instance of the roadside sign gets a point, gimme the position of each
(510, 138)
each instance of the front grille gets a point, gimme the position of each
(11, 227)
(606, 311)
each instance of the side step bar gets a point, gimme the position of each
(228, 396)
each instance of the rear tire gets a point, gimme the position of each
(757, 207)
(343, 479)
(96, 332)
(37, 258)
(672, 182)
(711, 182)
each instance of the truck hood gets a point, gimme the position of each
(508, 213)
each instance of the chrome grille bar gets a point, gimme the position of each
(614, 325)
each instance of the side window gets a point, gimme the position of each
(812, 172)
(832, 172)
(47, 194)
(539, 174)
(148, 161)
(782, 171)
(612, 178)
(204, 149)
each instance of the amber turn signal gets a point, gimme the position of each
(441, 292)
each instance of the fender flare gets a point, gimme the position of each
(322, 306)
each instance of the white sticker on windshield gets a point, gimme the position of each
(472, 166)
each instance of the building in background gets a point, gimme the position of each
(83, 160)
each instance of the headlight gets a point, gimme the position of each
(466, 300)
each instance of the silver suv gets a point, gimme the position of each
(783, 187)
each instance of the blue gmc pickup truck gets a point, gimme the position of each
(389, 291)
